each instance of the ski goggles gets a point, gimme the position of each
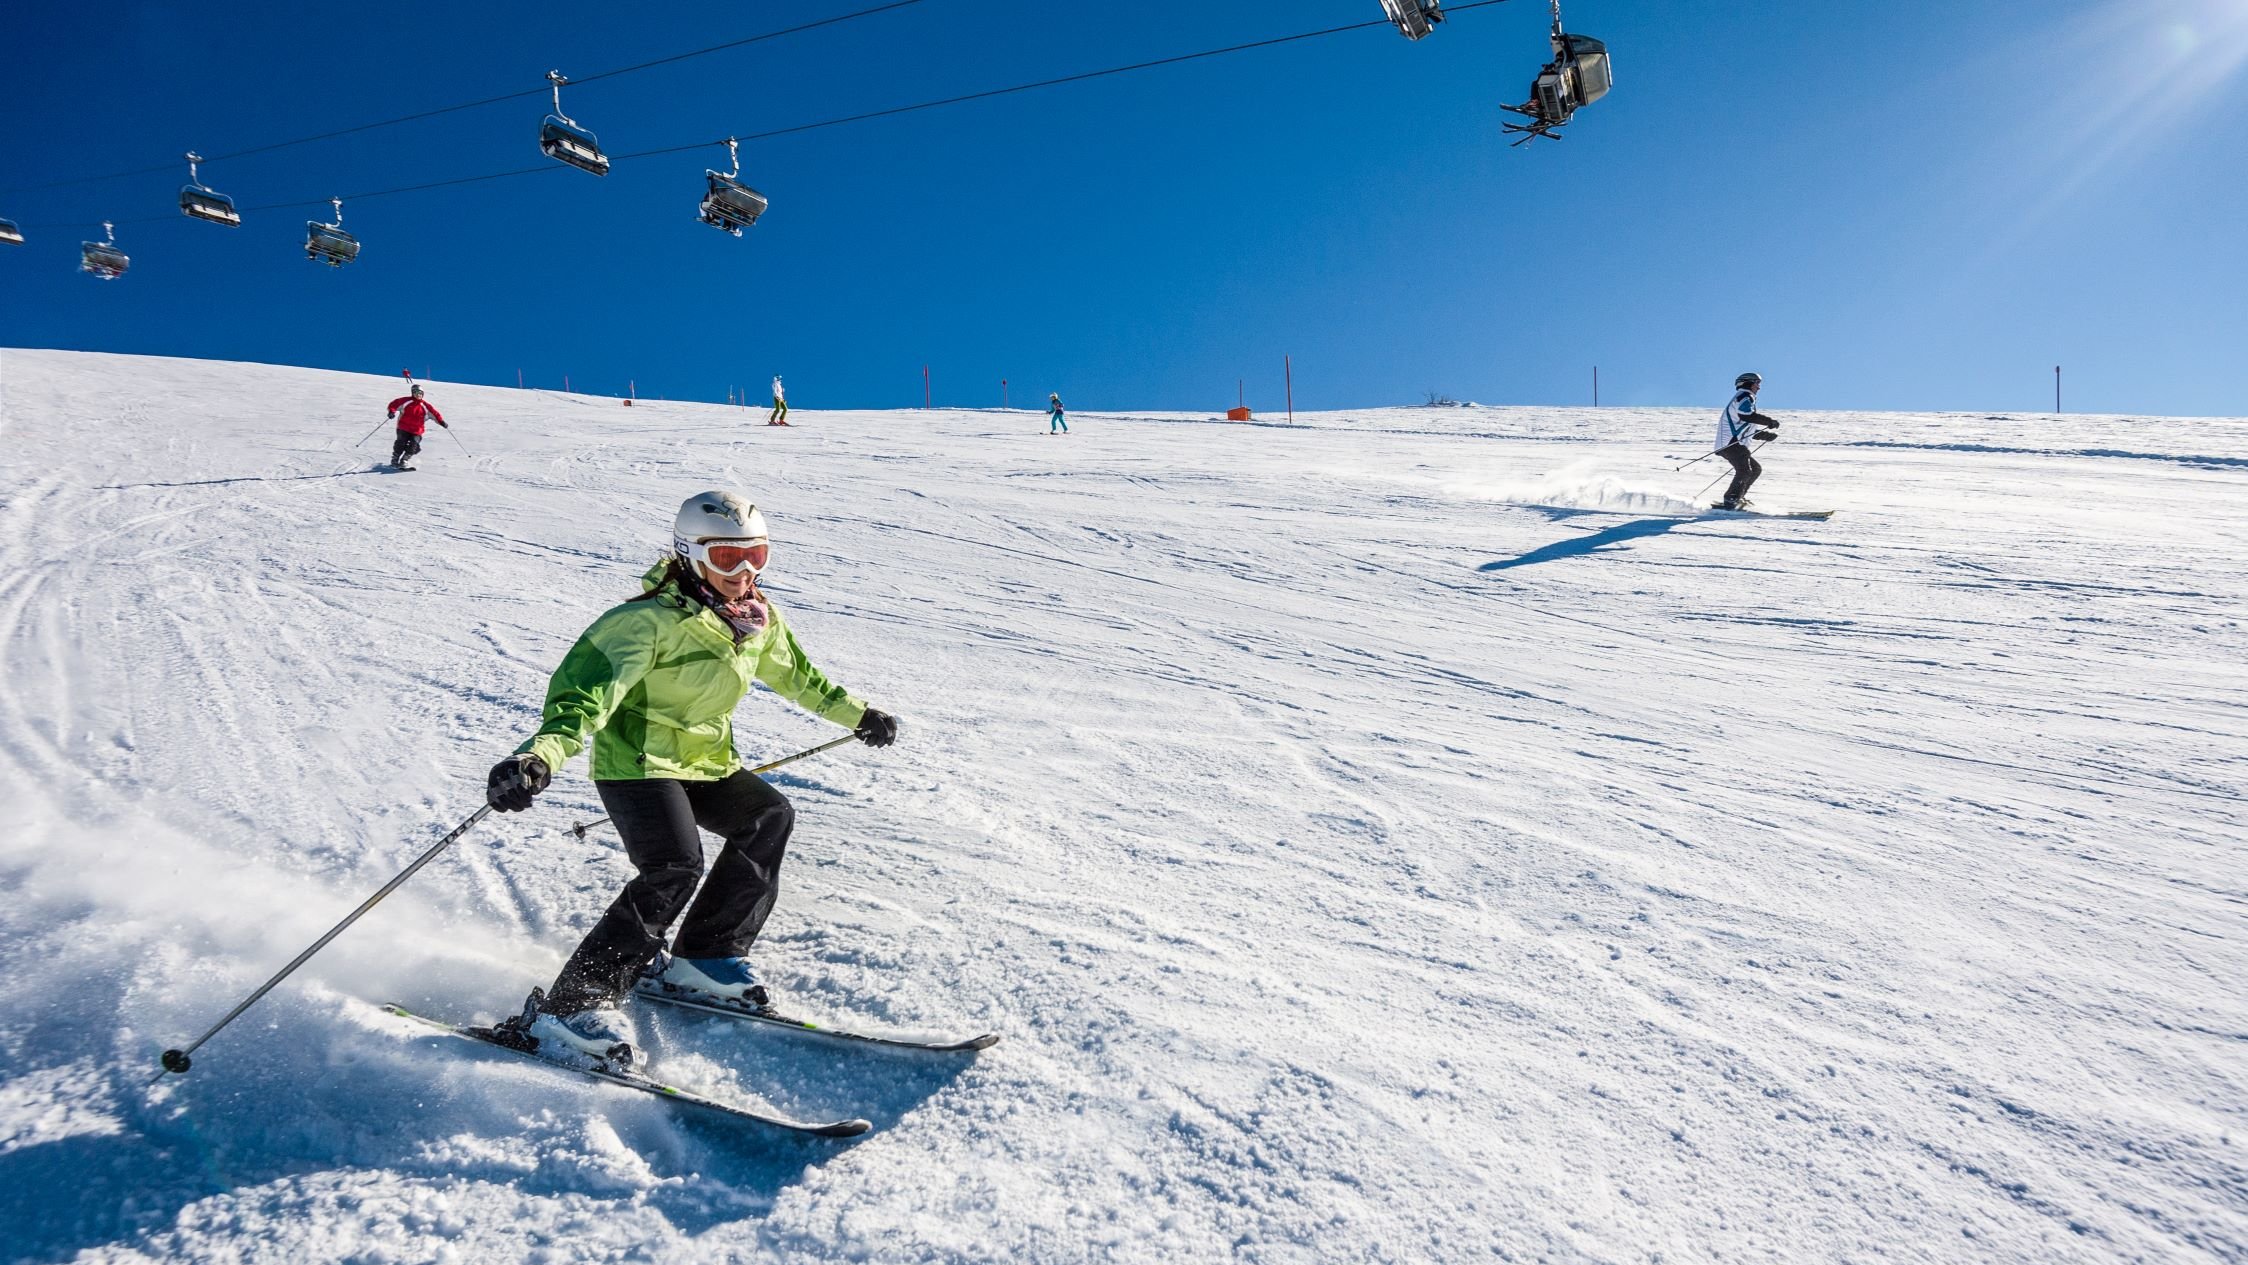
(728, 557)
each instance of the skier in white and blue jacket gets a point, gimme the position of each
(1740, 423)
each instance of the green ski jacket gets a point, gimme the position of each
(654, 682)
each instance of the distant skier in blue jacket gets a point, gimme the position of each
(1735, 427)
(1056, 422)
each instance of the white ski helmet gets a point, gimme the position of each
(415, 389)
(715, 515)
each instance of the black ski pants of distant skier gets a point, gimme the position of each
(1745, 470)
(658, 819)
(406, 445)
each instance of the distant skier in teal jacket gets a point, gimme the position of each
(1056, 422)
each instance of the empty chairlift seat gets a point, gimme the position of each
(200, 201)
(565, 141)
(1414, 17)
(729, 205)
(562, 140)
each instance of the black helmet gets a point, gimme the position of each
(1749, 380)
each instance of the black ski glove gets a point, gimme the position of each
(515, 781)
(877, 729)
(1766, 436)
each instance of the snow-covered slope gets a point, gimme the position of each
(1405, 835)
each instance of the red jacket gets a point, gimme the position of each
(410, 411)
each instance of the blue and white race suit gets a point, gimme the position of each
(1739, 421)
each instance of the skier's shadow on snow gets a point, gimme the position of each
(1592, 542)
(803, 1076)
(246, 478)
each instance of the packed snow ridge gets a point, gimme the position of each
(1403, 835)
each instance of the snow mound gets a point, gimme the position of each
(1580, 486)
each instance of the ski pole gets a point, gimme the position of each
(457, 440)
(1699, 460)
(178, 1060)
(370, 434)
(580, 830)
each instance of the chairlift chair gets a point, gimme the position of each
(731, 206)
(328, 243)
(561, 139)
(1414, 17)
(1589, 57)
(10, 234)
(200, 201)
(1578, 75)
(102, 259)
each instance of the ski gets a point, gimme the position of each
(656, 990)
(1818, 515)
(633, 1080)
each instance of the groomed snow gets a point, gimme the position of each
(1406, 835)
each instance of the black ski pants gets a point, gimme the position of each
(406, 445)
(1745, 470)
(658, 819)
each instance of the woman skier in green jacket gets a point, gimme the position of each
(653, 683)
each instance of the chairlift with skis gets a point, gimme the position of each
(200, 201)
(1414, 17)
(328, 243)
(10, 234)
(1578, 75)
(729, 205)
(102, 259)
(561, 139)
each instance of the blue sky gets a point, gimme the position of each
(1887, 206)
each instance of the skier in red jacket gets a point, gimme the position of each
(410, 410)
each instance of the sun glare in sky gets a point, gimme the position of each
(2120, 81)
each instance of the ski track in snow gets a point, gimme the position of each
(1403, 835)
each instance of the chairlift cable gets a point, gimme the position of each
(753, 39)
(827, 123)
(472, 105)
(1043, 83)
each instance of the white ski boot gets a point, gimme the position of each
(601, 1033)
(730, 980)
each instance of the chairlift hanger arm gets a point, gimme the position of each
(558, 80)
